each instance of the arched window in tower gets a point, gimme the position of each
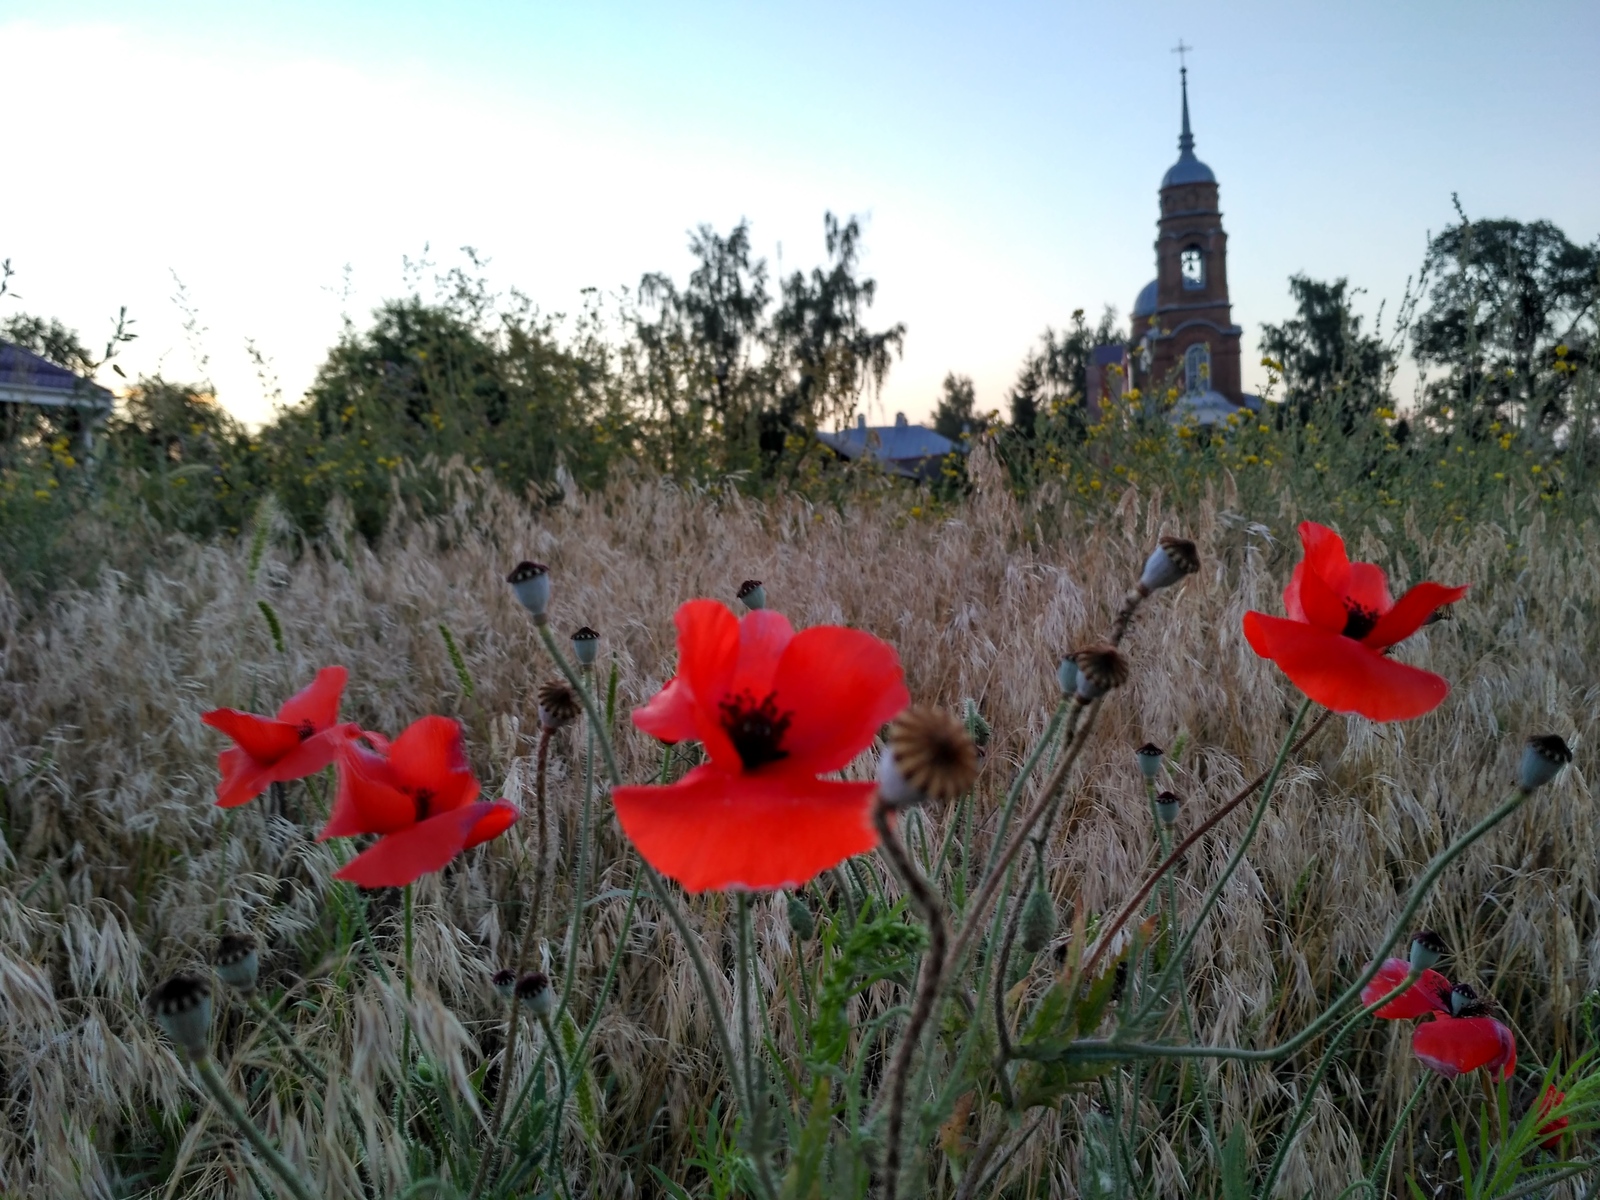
(1197, 369)
(1193, 265)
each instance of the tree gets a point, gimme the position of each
(1054, 375)
(1504, 294)
(1324, 354)
(956, 413)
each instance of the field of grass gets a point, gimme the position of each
(117, 869)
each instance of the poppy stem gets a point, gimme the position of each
(229, 1104)
(286, 1036)
(1015, 794)
(589, 706)
(1490, 1100)
(930, 979)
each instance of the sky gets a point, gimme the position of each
(248, 175)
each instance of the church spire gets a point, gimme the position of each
(1185, 139)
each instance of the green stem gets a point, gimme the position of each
(1380, 1169)
(1021, 781)
(269, 1153)
(553, 1155)
(746, 1026)
(285, 1035)
(589, 706)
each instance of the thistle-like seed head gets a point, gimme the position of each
(535, 994)
(1427, 948)
(559, 705)
(586, 646)
(181, 1006)
(1100, 668)
(236, 961)
(752, 594)
(929, 757)
(1542, 760)
(531, 582)
(1169, 562)
(505, 982)
(1149, 758)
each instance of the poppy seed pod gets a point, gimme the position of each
(800, 919)
(929, 757)
(1100, 668)
(536, 994)
(505, 982)
(1427, 948)
(182, 1008)
(531, 582)
(1067, 676)
(1167, 806)
(752, 595)
(559, 705)
(236, 961)
(586, 646)
(1542, 760)
(1148, 757)
(1464, 1002)
(1169, 562)
(1038, 921)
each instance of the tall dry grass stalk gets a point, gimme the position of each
(117, 868)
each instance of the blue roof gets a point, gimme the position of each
(27, 378)
(892, 443)
(1188, 169)
(1145, 305)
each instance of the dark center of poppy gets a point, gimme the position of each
(1358, 621)
(422, 797)
(306, 730)
(755, 728)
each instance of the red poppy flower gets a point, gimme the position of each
(1548, 1100)
(1456, 1045)
(301, 740)
(1340, 621)
(420, 797)
(1430, 993)
(775, 709)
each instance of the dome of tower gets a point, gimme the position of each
(1188, 169)
(1145, 305)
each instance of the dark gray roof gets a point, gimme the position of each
(25, 378)
(1145, 305)
(904, 448)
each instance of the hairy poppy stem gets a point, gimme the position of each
(589, 706)
(929, 982)
(229, 1104)
(286, 1036)
(1022, 778)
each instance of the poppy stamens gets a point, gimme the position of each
(423, 798)
(1358, 621)
(755, 728)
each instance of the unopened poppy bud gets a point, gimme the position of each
(536, 994)
(800, 919)
(981, 732)
(1167, 806)
(1464, 1002)
(1427, 948)
(236, 961)
(752, 595)
(1542, 760)
(559, 705)
(1067, 676)
(929, 757)
(505, 982)
(182, 1008)
(531, 582)
(1169, 562)
(1100, 668)
(1149, 758)
(586, 646)
(1038, 921)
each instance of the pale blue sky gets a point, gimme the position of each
(1005, 157)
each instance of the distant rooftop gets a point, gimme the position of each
(914, 451)
(25, 378)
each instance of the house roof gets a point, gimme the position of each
(26, 378)
(898, 443)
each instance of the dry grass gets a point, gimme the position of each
(117, 868)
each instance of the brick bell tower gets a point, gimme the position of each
(1182, 324)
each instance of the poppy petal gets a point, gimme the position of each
(1321, 605)
(369, 799)
(668, 716)
(763, 637)
(776, 829)
(1367, 587)
(1428, 994)
(401, 858)
(1456, 1045)
(1409, 612)
(1342, 674)
(708, 653)
(1360, 583)
(262, 738)
(838, 686)
(428, 757)
(317, 704)
(244, 778)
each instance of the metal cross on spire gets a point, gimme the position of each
(1185, 139)
(1180, 50)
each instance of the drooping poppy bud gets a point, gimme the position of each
(505, 982)
(1067, 676)
(1149, 757)
(801, 920)
(236, 961)
(531, 582)
(929, 758)
(559, 705)
(1100, 668)
(586, 646)
(182, 1008)
(1167, 806)
(1038, 921)
(1542, 760)
(973, 718)
(752, 595)
(536, 995)
(1427, 948)
(1169, 562)
(1551, 1099)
